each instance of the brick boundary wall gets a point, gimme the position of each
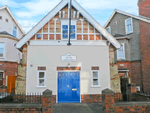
(109, 105)
(91, 98)
(47, 100)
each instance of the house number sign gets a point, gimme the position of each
(68, 58)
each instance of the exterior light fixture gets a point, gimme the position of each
(68, 65)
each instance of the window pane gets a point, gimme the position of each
(129, 22)
(121, 49)
(121, 54)
(41, 74)
(14, 33)
(15, 28)
(1, 52)
(108, 29)
(65, 31)
(72, 35)
(1, 76)
(95, 75)
(41, 82)
(1, 45)
(95, 82)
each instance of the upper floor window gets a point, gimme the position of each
(0, 17)
(121, 52)
(108, 29)
(15, 31)
(65, 32)
(72, 34)
(2, 48)
(128, 26)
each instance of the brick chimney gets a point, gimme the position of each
(144, 8)
(144, 38)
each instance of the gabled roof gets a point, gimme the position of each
(142, 18)
(6, 7)
(63, 3)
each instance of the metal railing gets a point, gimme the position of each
(20, 98)
(139, 96)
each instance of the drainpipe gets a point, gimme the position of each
(70, 23)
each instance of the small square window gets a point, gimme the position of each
(6, 20)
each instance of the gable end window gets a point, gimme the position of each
(15, 31)
(65, 29)
(128, 26)
(121, 52)
(108, 29)
(41, 78)
(95, 78)
(2, 48)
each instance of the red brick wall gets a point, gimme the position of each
(136, 73)
(144, 10)
(10, 68)
(91, 98)
(130, 109)
(126, 65)
(110, 106)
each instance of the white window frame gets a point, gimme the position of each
(4, 50)
(16, 31)
(39, 78)
(65, 22)
(108, 28)
(92, 79)
(126, 30)
(123, 50)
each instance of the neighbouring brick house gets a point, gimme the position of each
(76, 72)
(10, 33)
(133, 33)
(144, 10)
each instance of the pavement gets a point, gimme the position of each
(77, 108)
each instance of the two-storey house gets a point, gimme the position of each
(10, 33)
(126, 28)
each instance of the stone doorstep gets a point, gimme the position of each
(3, 106)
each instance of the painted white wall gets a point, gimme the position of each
(8, 26)
(50, 56)
(11, 53)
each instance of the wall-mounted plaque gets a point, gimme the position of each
(68, 58)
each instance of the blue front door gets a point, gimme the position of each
(68, 87)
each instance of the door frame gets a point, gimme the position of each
(57, 81)
(2, 77)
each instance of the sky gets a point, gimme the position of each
(29, 12)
